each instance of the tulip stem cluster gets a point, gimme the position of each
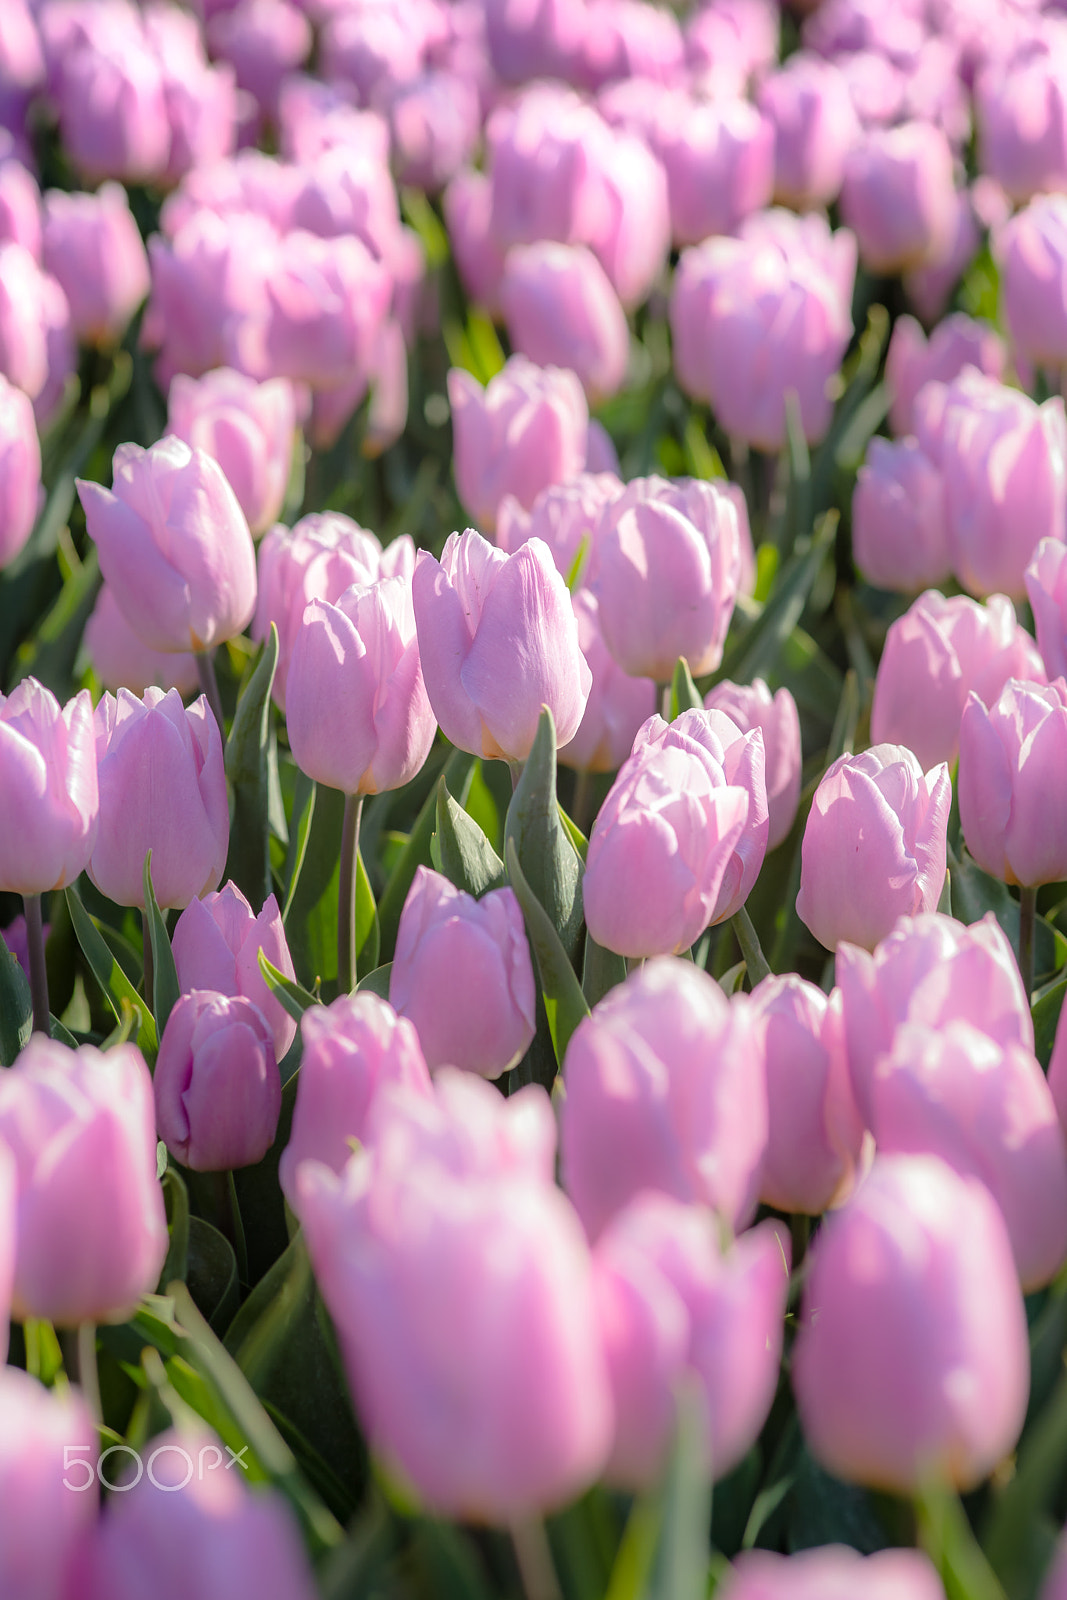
(38, 971)
(1027, 913)
(346, 903)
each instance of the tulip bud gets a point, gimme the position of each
(462, 974)
(49, 794)
(247, 427)
(912, 1358)
(93, 247)
(562, 311)
(326, 300)
(810, 108)
(498, 640)
(874, 847)
(776, 716)
(1021, 112)
(218, 1093)
(91, 1229)
(216, 946)
(479, 259)
(617, 707)
(1046, 589)
(899, 197)
(563, 515)
(20, 471)
(912, 361)
(162, 780)
(719, 157)
(673, 1302)
(899, 536)
(1013, 766)
(666, 1091)
(47, 1518)
(832, 1573)
(174, 546)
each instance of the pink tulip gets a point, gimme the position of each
(462, 974)
(912, 360)
(20, 471)
(162, 785)
(498, 640)
(123, 661)
(188, 1524)
(25, 293)
(218, 1092)
(563, 515)
(561, 310)
(263, 41)
(525, 430)
(49, 795)
(665, 1090)
(934, 655)
(92, 246)
(674, 1302)
(112, 110)
(912, 1358)
(1013, 762)
(462, 1291)
(200, 100)
(1054, 1585)
(899, 537)
(436, 123)
(174, 546)
(833, 1572)
(216, 945)
(719, 157)
(541, 41)
(753, 706)
(1021, 111)
(467, 204)
(810, 108)
(91, 1228)
(731, 41)
(617, 707)
(874, 847)
(1032, 253)
(247, 427)
(815, 1133)
(20, 198)
(666, 572)
(352, 1050)
(357, 709)
(8, 1189)
(987, 1111)
(899, 197)
(347, 189)
(1046, 589)
(47, 1518)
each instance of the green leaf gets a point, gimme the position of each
(461, 850)
(550, 864)
(16, 1006)
(110, 976)
(603, 969)
(564, 1002)
(975, 892)
(176, 1199)
(260, 1201)
(51, 651)
(1012, 1537)
(368, 932)
(457, 774)
(377, 982)
(311, 910)
(211, 1273)
(575, 835)
(949, 1541)
(685, 696)
(1046, 1014)
(747, 938)
(248, 769)
(680, 1568)
(165, 987)
(756, 654)
(291, 995)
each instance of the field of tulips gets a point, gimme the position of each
(533, 800)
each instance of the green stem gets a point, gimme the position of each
(38, 971)
(227, 1217)
(209, 684)
(533, 1555)
(149, 973)
(583, 799)
(751, 949)
(79, 1362)
(1027, 914)
(346, 904)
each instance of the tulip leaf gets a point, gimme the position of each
(974, 892)
(166, 990)
(1046, 1014)
(458, 771)
(58, 1031)
(550, 863)
(110, 976)
(211, 1274)
(575, 835)
(751, 950)
(368, 931)
(680, 1565)
(176, 1198)
(51, 651)
(16, 1006)
(311, 908)
(461, 850)
(377, 982)
(685, 696)
(565, 1004)
(248, 769)
(733, 978)
(1012, 1536)
(758, 650)
(291, 995)
(603, 969)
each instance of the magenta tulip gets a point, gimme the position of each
(49, 792)
(216, 945)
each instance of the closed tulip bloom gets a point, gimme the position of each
(1032, 250)
(1046, 589)
(45, 1522)
(20, 198)
(563, 515)
(216, 945)
(526, 429)
(1021, 112)
(815, 126)
(93, 247)
(719, 157)
(462, 1291)
(899, 197)
(899, 530)
(988, 1112)
(498, 640)
(49, 794)
(667, 568)
(912, 1358)
(776, 716)
(912, 360)
(247, 427)
(218, 1091)
(112, 109)
(815, 1132)
(174, 546)
(24, 294)
(188, 1524)
(8, 1190)
(462, 974)
(20, 471)
(162, 781)
(673, 1303)
(326, 300)
(1013, 764)
(875, 845)
(832, 1572)
(122, 660)
(617, 707)
(357, 710)
(467, 204)
(91, 1227)
(666, 1090)
(934, 655)
(561, 310)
